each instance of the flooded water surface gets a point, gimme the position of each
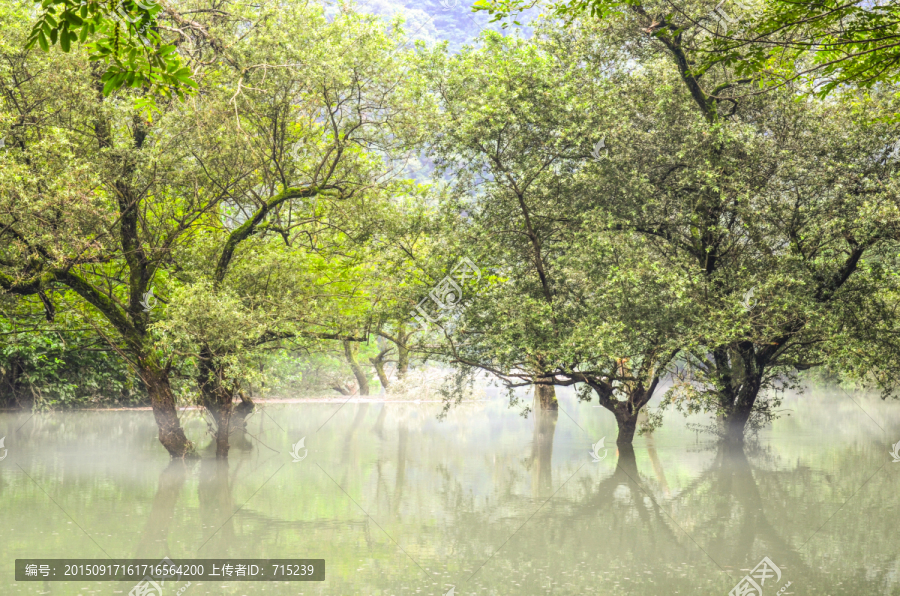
(484, 502)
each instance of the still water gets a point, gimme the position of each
(485, 502)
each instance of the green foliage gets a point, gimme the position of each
(618, 181)
(123, 34)
(827, 45)
(44, 365)
(647, 250)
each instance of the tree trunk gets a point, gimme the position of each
(171, 435)
(217, 399)
(350, 350)
(545, 397)
(343, 390)
(626, 412)
(402, 361)
(734, 423)
(627, 423)
(223, 421)
(378, 363)
(379, 370)
(627, 462)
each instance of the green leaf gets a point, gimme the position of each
(42, 40)
(72, 18)
(109, 86)
(64, 42)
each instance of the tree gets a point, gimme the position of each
(327, 138)
(96, 199)
(828, 45)
(566, 302)
(116, 206)
(794, 203)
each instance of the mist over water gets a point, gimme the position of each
(486, 501)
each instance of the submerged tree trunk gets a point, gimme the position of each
(626, 411)
(217, 399)
(162, 399)
(545, 397)
(734, 422)
(350, 350)
(222, 415)
(627, 423)
(741, 379)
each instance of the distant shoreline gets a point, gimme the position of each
(273, 400)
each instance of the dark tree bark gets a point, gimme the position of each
(362, 380)
(162, 399)
(217, 399)
(625, 411)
